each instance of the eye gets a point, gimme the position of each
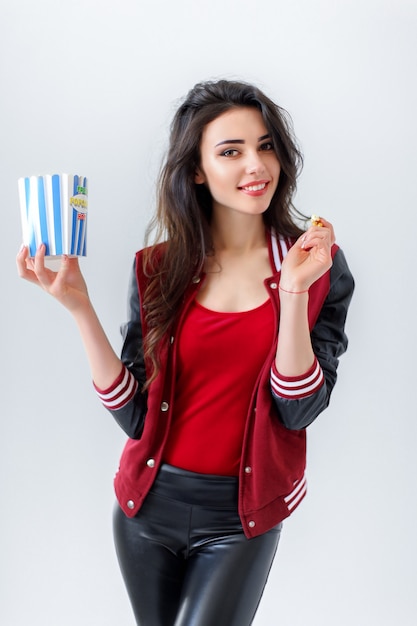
(230, 152)
(267, 146)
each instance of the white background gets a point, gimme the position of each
(89, 87)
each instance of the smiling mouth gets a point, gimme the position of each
(258, 187)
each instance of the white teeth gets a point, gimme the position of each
(255, 187)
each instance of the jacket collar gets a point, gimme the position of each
(278, 247)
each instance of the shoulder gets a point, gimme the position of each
(149, 259)
(340, 264)
(342, 283)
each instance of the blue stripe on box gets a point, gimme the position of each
(74, 193)
(31, 232)
(27, 193)
(56, 195)
(81, 237)
(84, 237)
(85, 224)
(74, 231)
(79, 234)
(73, 249)
(42, 215)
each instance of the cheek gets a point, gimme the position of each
(276, 166)
(277, 172)
(218, 178)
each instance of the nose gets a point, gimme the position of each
(255, 164)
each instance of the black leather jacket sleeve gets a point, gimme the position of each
(131, 417)
(329, 342)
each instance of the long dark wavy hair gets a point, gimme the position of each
(182, 218)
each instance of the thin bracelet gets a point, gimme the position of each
(293, 292)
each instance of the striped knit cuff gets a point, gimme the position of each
(296, 387)
(120, 392)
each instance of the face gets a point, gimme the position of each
(238, 162)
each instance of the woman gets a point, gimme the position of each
(236, 324)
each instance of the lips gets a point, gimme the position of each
(255, 188)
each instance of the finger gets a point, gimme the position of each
(327, 226)
(325, 222)
(318, 246)
(320, 232)
(68, 270)
(324, 233)
(25, 265)
(316, 240)
(21, 258)
(39, 268)
(69, 263)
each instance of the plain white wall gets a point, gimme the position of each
(89, 86)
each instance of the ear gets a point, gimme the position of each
(199, 177)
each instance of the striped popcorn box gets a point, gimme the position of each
(54, 212)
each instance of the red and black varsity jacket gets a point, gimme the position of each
(272, 478)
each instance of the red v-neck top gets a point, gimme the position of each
(220, 356)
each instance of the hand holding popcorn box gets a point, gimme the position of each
(54, 212)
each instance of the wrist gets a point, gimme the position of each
(293, 290)
(82, 310)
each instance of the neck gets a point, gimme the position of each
(238, 234)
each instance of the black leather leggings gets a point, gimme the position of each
(184, 557)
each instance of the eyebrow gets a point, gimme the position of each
(267, 136)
